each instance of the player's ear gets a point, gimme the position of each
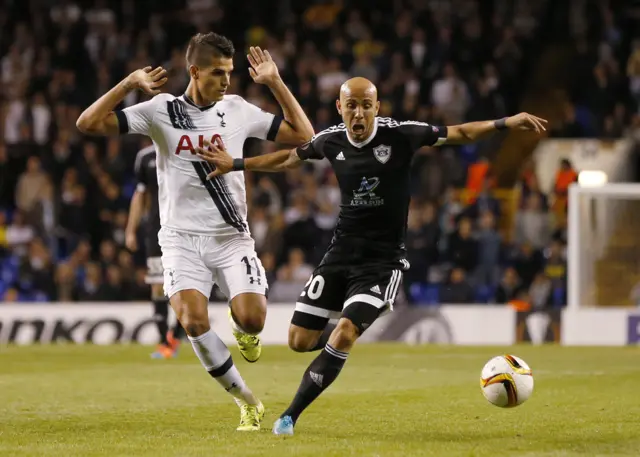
(193, 72)
(377, 107)
(339, 107)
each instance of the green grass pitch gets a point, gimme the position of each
(391, 400)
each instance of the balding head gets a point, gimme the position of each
(358, 105)
(359, 88)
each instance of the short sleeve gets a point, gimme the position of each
(422, 134)
(138, 118)
(311, 149)
(260, 124)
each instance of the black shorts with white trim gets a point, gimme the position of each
(360, 294)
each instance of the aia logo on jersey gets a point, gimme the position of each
(382, 153)
(186, 144)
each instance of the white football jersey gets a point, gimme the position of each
(189, 203)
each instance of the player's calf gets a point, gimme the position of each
(306, 340)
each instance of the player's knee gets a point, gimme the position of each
(251, 323)
(300, 341)
(194, 322)
(345, 334)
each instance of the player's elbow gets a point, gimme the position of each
(85, 125)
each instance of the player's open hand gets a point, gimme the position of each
(148, 79)
(526, 121)
(263, 69)
(216, 154)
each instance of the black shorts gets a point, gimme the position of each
(155, 272)
(360, 294)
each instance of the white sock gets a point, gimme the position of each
(216, 359)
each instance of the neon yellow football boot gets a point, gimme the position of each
(250, 417)
(250, 346)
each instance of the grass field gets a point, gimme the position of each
(390, 400)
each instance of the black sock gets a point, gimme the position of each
(321, 373)
(161, 316)
(324, 338)
(178, 331)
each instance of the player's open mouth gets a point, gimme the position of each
(358, 128)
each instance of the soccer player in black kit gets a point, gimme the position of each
(146, 196)
(359, 276)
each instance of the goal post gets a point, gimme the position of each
(603, 244)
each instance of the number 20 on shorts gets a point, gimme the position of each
(314, 287)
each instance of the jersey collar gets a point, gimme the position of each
(192, 103)
(368, 140)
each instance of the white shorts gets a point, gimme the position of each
(200, 261)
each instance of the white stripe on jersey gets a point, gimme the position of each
(390, 122)
(332, 129)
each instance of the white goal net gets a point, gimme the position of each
(604, 245)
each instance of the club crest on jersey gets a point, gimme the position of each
(382, 153)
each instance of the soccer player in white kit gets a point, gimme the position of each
(204, 235)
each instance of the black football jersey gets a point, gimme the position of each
(145, 172)
(374, 182)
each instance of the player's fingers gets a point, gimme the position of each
(267, 56)
(147, 69)
(160, 82)
(161, 74)
(156, 71)
(256, 56)
(253, 74)
(261, 54)
(218, 142)
(213, 174)
(252, 61)
(537, 123)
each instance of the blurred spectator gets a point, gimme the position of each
(36, 271)
(489, 248)
(556, 265)
(450, 95)
(296, 269)
(485, 202)
(533, 225)
(33, 188)
(633, 71)
(509, 286)
(462, 249)
(565, 176)
(92, 289)
(269, 264)
(457, 290)
(528, 263)
(541, 292)
(423, 233)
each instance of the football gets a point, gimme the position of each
(506, 381)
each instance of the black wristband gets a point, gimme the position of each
(501, 124)
(238, 165)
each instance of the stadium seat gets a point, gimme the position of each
(425, 294)
(484, 294)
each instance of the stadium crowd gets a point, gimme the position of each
(64, 197)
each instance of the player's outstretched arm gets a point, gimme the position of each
(476, 131)
(99, 118)
(296, 128)
(217, 155)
